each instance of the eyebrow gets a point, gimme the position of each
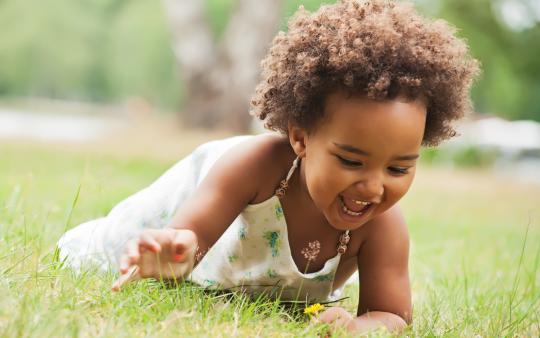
(355, 150)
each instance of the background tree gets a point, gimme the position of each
(106, 51)
(219, 77)
(505, 36)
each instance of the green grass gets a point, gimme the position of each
(474, 257)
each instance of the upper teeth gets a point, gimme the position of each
(360, 202)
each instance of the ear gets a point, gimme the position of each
(298, 138)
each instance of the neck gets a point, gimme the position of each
(299, 192)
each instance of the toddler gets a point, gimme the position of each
(351, 91)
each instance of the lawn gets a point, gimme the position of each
(475, 256)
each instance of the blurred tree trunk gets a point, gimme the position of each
(220, 77)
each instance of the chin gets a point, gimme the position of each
(338, 224)
(342, 221)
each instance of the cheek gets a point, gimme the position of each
(397, 189)
(323, 182)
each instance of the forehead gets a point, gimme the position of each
(358, 119)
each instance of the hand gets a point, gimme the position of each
(157, 253)
(337, 317)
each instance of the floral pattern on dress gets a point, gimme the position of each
(279, 211)
(271, 273)
(242, 233)
(232, 258)
(325, 278)
(144, 224)
(164, 216)
(274, 241)
(210, 282)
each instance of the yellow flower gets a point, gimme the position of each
(313, 309)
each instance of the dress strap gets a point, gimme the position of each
(343, 241)
(284, 184)
(280, 192)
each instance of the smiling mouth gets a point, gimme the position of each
(363, 210)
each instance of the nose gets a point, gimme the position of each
(371, 188)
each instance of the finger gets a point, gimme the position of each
(124, 263)
(131, 275)
(178, 254)
(182, 242)
(133, 252)
(125, 259)
(332, 314)
(130, 257)
(148, 264)
(326, 316)
(149, 242)
(337, 317)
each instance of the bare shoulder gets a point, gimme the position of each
(259, 161)
(238, 178)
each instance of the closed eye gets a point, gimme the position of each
(349, 163)
(399, 170)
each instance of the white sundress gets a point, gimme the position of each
(253, 255)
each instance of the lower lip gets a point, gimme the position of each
(350, 218)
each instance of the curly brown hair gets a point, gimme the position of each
(381, 49)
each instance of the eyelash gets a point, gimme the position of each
(400, 171)
(349, 163)
(355, 164)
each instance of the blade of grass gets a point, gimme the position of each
(511, 304)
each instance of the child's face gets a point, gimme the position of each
(363, 151)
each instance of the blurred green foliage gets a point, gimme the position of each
(109, 50)
(100, 50)
(469, 156)
(510, 82)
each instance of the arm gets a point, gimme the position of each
(385, 297)
(231, 184)
(234, 181)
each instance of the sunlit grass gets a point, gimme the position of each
(474, 259)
